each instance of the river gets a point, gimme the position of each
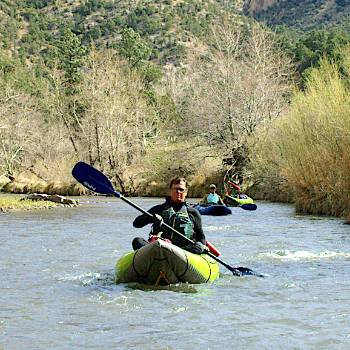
(57, 289)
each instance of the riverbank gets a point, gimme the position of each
(48, 187)
(26, 185)
(32, 202)
(10, 203)
(154, 189)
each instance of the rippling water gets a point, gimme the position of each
(57, 290)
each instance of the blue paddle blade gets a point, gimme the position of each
(245, 271)
(248, 206)
(93, 179)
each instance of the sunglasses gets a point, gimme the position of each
(179, 189)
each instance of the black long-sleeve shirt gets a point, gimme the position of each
(195, 217)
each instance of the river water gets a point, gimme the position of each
(57, 290)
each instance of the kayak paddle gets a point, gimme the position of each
(96, 181)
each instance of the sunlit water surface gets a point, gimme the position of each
(57, 289)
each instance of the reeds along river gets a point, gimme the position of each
(57, 290)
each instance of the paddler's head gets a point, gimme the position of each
(212, 188)
(178, 190)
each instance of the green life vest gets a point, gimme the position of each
(180, 221)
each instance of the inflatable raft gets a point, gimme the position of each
(213, 209)
(162, 263)
(234, 201)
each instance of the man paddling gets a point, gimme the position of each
(178, 214)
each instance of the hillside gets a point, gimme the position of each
(304, 15)
(31, 28)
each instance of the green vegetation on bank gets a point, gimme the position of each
(9, 203)
(307, 49)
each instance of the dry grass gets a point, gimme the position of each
(51, 187)
(309, 150)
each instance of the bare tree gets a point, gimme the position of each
(119, 123)
(229, 88)
(29, 139)
(266, 81)
(239, 84)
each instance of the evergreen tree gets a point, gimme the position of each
(133, 48)
(71, 54)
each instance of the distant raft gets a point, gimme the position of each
(162, 263)
(213, 209)
(234, 201)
